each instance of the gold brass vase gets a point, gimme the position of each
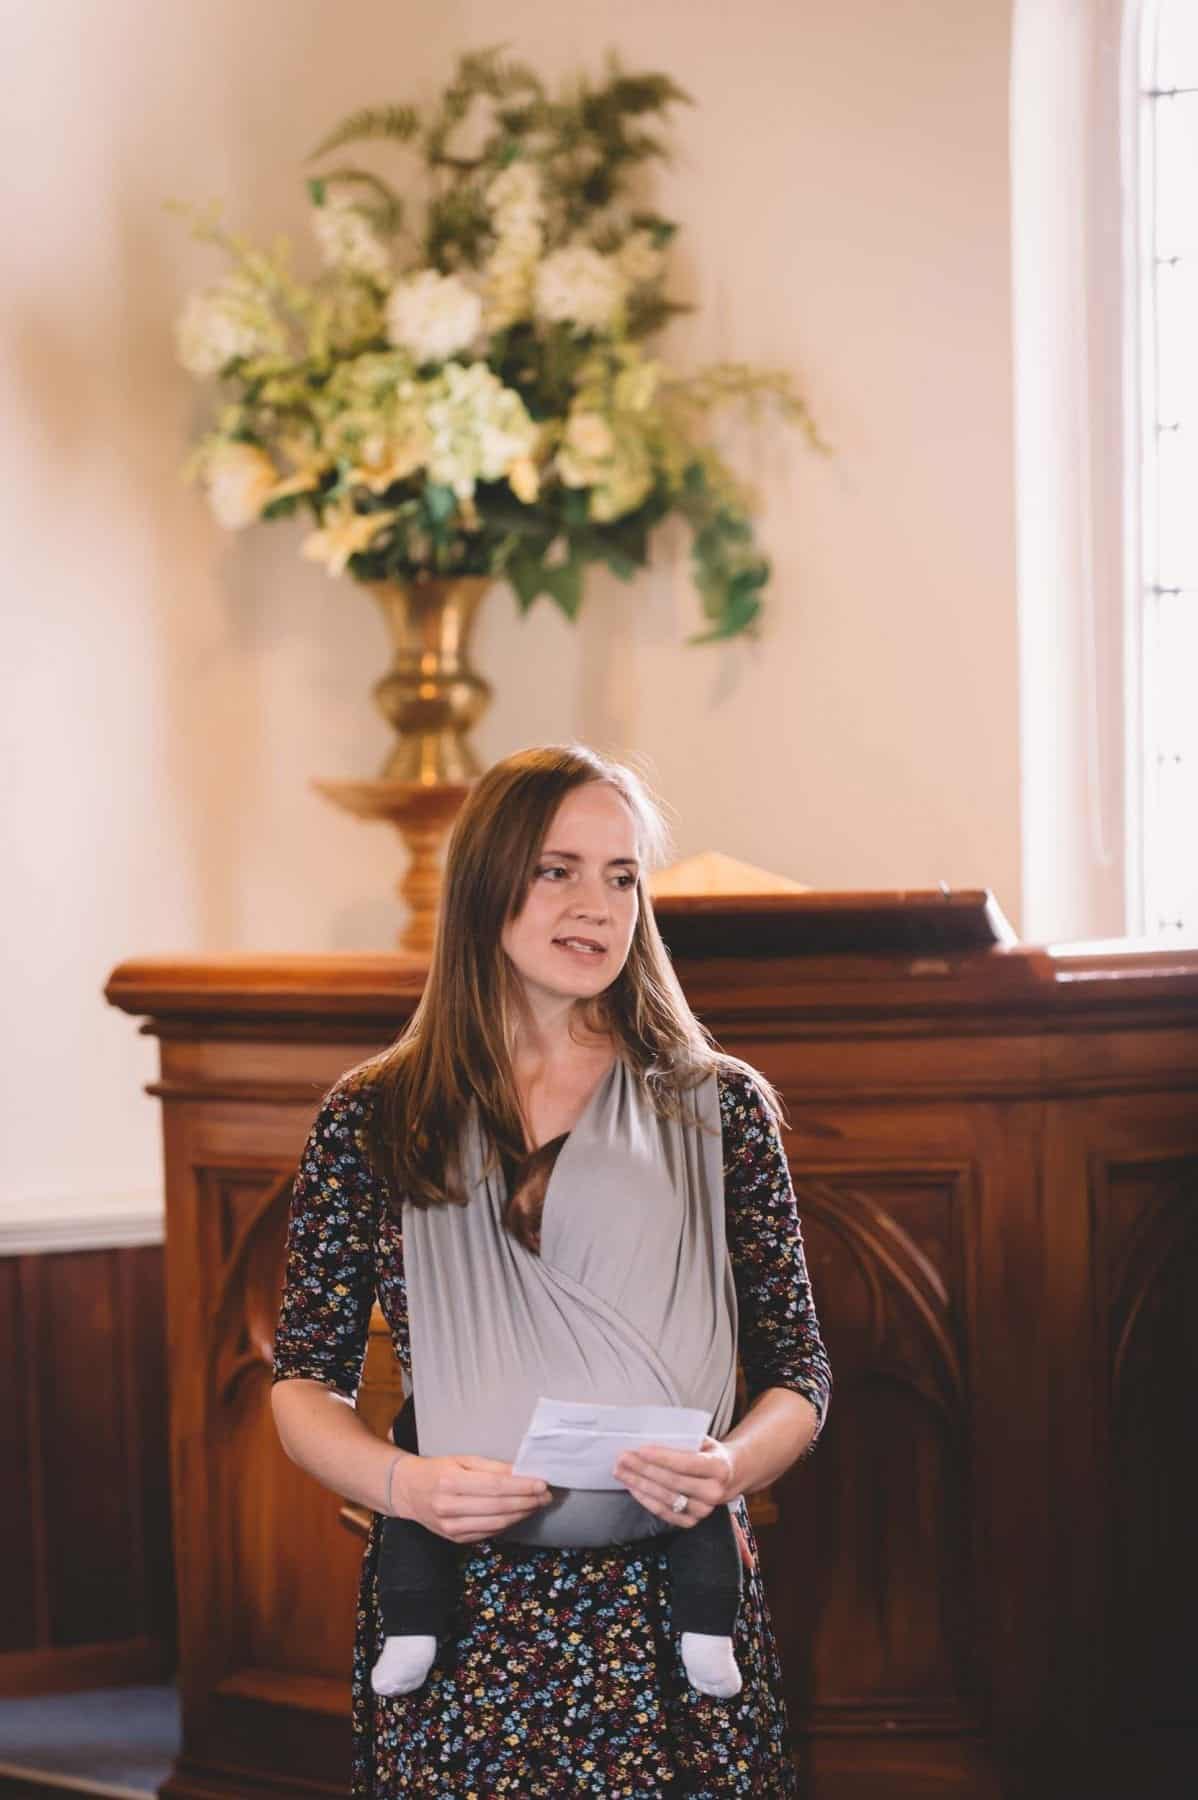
(430, 693)
(432, 696)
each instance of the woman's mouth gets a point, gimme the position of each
(577, 946)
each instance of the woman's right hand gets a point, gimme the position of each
(464, 1498)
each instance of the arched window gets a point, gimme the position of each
(1163, 611)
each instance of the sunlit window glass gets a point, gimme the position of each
(1168, 634)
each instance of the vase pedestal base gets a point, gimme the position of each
(422, 813)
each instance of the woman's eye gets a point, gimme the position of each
(625, 881)
(552, 869)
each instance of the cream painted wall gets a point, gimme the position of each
(168, 691)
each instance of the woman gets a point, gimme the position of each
(552, 1012)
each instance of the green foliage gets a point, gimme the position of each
(729, 572)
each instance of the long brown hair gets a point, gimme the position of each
(456, 1048)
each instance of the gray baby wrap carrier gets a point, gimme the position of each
(631, 1301)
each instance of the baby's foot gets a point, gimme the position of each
(403, 1665)
(710, 1664)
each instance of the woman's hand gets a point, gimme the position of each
(464, 1498)
(654, 1476)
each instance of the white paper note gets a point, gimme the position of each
(570, 1443)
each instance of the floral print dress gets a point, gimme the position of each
(564, 1677)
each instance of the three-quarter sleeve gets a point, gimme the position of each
(329, 1268)
(778, 1333)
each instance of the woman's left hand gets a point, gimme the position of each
(654, 1476)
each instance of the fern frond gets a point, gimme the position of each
(386, 215)
(650, 92)
(483, 72)
(400, 123)
(641, 145)
(479, 73)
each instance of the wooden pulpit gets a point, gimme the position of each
(984, 1582)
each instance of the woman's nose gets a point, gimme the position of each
(590, 900)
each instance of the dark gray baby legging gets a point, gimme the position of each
(418, 1569)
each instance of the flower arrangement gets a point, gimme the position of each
(475, 393)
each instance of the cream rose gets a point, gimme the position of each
(239, 479)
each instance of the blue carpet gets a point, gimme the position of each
(120, 1737)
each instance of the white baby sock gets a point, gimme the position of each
(710, 1664)
(403, 1665)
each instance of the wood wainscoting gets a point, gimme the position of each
(89, 1597)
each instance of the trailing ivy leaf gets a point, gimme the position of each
(732, 624)
(623, 566)
(526, 572)
(565, 585)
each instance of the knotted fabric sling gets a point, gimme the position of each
(631, 1301)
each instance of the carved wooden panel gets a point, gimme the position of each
(283, 1550)
(1145, 1225)
(888, 1615)
(278, 1547)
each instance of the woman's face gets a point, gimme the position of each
(571, 937)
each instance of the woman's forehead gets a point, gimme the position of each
(593, 817)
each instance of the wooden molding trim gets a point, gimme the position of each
(66, 1671)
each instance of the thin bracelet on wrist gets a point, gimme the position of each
(387, 1502)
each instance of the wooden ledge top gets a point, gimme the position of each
(352, 984)
(885, 955)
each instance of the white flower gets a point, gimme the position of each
(638, 259)
(240, 479)
(509, 275)
(515, 197)
(518, 213)
(580, 286)
(432, 316)
(224, 322)
(346, 237)
(480, 429)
